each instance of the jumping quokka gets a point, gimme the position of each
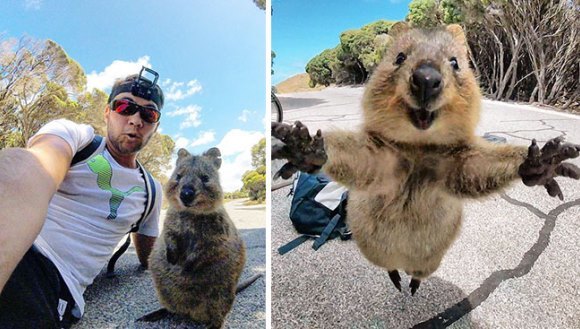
(198, 259)
(416, 157)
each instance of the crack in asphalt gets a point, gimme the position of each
(544, 123)
(479, 295)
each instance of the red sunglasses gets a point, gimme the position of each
(149, 114)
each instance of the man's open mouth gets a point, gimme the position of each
(421, 118)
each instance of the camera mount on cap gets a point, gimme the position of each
(143, 87)
(140, 86)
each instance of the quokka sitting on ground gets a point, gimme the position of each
(416, 157)
(198, 259)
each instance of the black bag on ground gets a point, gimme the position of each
(318, 210)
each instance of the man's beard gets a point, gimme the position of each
(134, 148)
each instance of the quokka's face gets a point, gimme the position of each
(422, 85)
(195, 183)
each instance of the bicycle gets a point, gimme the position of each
(277, 113)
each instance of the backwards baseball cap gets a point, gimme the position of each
(140, 86)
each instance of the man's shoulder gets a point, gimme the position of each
(67, 124)
(75, 134)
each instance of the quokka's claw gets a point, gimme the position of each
(554, 189)
(414, 285)
(286, 171)
(395, 278)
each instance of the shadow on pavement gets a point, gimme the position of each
(118, 302)
(336, 287)
(291, 103)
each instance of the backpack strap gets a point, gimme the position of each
(319, 240)
(87, 151)
(326, 232)
(293, 244)
(149, 205)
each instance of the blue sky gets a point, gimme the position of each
(301, 29)
(211, 57)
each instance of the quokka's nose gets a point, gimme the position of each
(187, 195)
(426, 83)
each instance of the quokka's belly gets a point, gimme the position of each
(400, 235)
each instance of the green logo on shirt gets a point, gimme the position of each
(101, 166)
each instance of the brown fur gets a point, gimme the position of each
(198, 260)
(407, 185)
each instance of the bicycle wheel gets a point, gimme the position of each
(277, 114)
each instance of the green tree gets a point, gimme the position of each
(156, 156)
(423, 13)
(260, 4)
(259, 153)
(92, 105)
(255, 180)
(320, 68)
(354, 59)
(38, 78)
(255, 185)
(432, 13)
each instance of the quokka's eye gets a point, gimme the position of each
(400, 58)
(454, 64)
(177, 177)
(204, 178)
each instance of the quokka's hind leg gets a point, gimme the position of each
(395, 278)
(414, 285)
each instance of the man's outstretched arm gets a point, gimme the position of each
(28, 180)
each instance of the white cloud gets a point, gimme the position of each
(174, 90)
(32, 4)
(236, 149)
(117, 69)
(191, 113)
(245, 115)
(238, 141)
(204, 137)
(232, 170)
(181, 142)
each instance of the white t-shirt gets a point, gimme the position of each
(92, 211)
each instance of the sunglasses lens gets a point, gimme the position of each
(126, 107)
(150, 115)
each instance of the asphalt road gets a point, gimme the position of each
(516, 263)
(117, 302)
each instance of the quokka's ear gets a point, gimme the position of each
(182, 153)
(399, 28)
(215, 155)
(457, 32)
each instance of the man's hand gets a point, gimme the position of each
(303, 152)
(541, 166)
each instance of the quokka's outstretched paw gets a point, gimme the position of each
(303, 152)
(542, 165)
